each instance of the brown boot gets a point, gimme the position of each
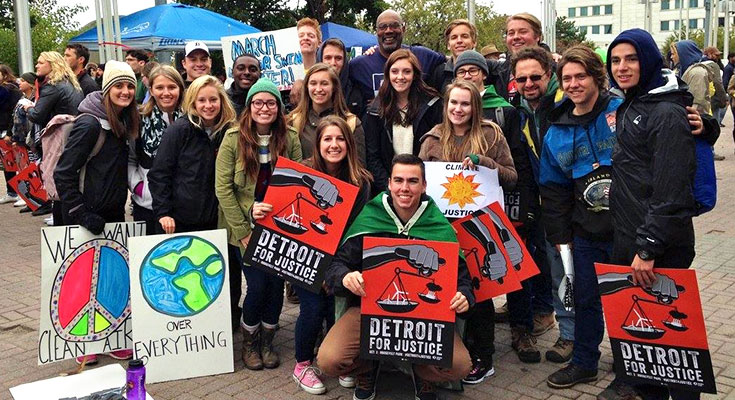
(524, 345)
(270, 356)
(250, 350)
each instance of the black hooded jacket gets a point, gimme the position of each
(653, 170)
(54, 99)
(237, 97)
(105, 178)
(353, 97)
(379, 137)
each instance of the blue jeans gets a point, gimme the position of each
(263, 299)
(590, 328)
(313, 310)
(564, 317)
(535, 295)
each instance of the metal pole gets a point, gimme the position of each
(118, 36)
(686, 31)
(707, 22)
(107, 21)
(681, 21)
(726, 45)
(100, 48)
(23, 33)
(471, 11)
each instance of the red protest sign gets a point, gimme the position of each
(21, 157)
(520, 258)
(487, 259)
(27, 183)
(8, 157)
(657, 334)
(297, 240)
(405, 314)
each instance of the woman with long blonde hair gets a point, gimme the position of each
(245, 163)
(464, 136)
(322, 96)
(181, 178)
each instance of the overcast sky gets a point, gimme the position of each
(128, 7)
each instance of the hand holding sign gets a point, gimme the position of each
(325, 192)
(665, 289)
(423, 258)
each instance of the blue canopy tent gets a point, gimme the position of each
(351, 37)
(169, 27)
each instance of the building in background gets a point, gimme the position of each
(603, 20)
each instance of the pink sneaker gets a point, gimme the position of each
(307, 376)
(121, 354)
(91, 359)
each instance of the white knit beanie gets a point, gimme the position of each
(116, 71)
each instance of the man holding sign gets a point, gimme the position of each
(404, 212)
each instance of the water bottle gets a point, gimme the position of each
(135, 380)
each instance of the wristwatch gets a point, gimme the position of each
(644, 255)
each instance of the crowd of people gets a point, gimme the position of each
(597, 156)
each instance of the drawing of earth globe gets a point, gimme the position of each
(182, 276)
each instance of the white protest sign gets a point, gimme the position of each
(459, 191)
(78, 385)
(179, 288)
(85, 291)
(278, 51)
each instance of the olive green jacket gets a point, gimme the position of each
(234, 190)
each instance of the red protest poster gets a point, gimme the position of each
(8, 157)
(657, 334)
(409, 285)
(27, 183)
(297, 240)
(487, 260)
(520, 258)
(21, 157)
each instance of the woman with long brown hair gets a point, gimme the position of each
(322, 96)
(111, 117)
(403, 111)
(244, 168)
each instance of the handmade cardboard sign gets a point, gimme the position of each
(27, 183)
(8, 157)
(297, 240)
(518, 254)
(405, 314)
(488, 260)
(85, 291)
(657, 334)
(459, 191)
(278, 51)
(179, 293)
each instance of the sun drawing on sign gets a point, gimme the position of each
(461, 189)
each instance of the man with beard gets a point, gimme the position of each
(366, 71)
(245, 72)
(76, 57)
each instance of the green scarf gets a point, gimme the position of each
(491, 98)
(378, 217)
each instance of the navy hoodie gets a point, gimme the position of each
(689, 54)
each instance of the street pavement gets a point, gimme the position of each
(715, 265)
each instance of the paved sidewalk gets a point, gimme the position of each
(715, 263)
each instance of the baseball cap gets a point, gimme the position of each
(191, 46)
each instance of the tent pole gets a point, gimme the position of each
(118, 36)
(107, 18)
(100, 48)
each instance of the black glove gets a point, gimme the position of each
(93, 222)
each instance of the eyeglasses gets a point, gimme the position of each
(258, 104)
(472, 71)
(534, 78)
(393, 26)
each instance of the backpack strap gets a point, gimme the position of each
(95, 150)
(499, 117)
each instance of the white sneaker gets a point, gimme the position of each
(8, 199)
(19, 203)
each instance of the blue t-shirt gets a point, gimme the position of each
(367, 71)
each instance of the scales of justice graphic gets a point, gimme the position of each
(290, 218)
(400, 301)
(643, 327)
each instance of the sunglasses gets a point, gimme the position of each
(534, 78)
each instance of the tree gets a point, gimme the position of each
(266, 15)
(426, 21)
(51, 28)
(697, 36)
(567, 35)
(345, 12)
